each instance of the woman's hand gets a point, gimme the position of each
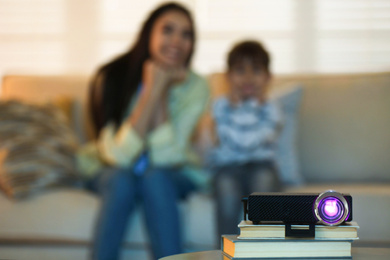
(178, 75)
(151, 109)
(158, 79)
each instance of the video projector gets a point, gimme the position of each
(328, 208)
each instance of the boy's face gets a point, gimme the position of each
(248, 80)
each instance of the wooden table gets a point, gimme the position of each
(358, 253)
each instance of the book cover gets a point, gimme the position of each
(227, 257)
(284, 248)
(345, 231)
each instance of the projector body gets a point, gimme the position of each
(329, 208)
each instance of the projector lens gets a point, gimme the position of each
(331, 208)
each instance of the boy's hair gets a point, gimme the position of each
(252, 50)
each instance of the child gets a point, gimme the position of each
(246, 127)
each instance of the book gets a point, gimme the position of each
(288, 248)
(227, 257)
(345, 231)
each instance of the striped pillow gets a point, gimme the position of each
(37, 149)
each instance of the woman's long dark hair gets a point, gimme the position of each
(120, 78)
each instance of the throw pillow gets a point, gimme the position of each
(288, 98)
(37, 149)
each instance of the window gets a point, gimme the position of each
(303, 36)
(32, 36)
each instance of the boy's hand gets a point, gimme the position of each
(262, 94)
(234, 96)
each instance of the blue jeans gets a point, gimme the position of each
(232, 182)
(158, 191)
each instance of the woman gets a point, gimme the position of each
(145, 105)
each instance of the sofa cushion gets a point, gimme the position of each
(344, 127)
(63, 214)
(288, 99)
(36, 148)
(68, 216)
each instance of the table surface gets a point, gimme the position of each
(358, 253)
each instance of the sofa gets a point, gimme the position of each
(339, 139)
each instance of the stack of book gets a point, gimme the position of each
(268, 241)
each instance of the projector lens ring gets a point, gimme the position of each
(331, 208)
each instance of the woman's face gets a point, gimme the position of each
(171, 39)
